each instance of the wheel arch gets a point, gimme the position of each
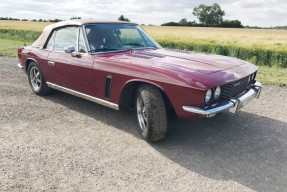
(128, 92)
(28, 62)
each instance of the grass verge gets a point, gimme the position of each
(272, 73)
(16, 34)
(8, 48)
(274, 56)
(272, 76)
(266, 75)
(258, 56)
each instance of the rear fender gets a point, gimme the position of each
(28, 61)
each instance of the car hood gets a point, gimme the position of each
(181, 67)
(180, 61)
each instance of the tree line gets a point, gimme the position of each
(224, 24)
(36, 20)
(121, 18)
(208, 16)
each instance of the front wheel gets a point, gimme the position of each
(37, 80)
(151, 113)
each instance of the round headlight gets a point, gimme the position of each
(208, 96)
(217, 92)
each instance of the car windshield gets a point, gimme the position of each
(118, 37)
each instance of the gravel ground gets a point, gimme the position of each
(63, 143)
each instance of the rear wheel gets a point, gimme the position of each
(151, 113)
(36, 80)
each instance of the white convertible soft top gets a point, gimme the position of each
(40, 42)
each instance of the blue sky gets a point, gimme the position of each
(263, 13)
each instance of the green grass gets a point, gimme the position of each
(272, 76)
(16, 34)
(266, 75)
(258, 56)
(268, 53)
(8, 48)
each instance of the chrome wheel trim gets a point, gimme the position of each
(35, 79)
(142, 114)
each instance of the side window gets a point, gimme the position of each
(65, 37)
(50, 44)
(82, 46)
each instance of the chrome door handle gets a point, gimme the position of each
(51, 63)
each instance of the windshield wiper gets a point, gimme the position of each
(152, 47)
(135, 44)
(103, 49)
(109, 50)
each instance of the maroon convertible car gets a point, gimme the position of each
(118, 65)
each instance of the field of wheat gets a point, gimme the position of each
(264, 47)
(250, 38)
(260, 46)
(23, 25)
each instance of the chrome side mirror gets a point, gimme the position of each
(69, 49)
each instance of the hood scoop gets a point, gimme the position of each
(151, 54)
(181, 51)
(145, 55)
(139, 56)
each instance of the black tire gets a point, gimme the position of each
(37, 80)
(151, 113)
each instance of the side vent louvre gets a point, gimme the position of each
(108, 86)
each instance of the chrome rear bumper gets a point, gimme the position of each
(233, 104)
(20, 66)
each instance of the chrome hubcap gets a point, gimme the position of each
(35, 79)
(142, 114)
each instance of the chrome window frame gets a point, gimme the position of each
(84, 40)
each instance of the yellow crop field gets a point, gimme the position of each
(253, 38)
(259, 46)
(23, 25)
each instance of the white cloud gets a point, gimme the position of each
(258, 12)
(250, 12)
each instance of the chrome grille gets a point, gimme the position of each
(236, 87)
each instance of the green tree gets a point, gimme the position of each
(231, 24)
(209, 15)
(75, 18)
(122, 18)
(182, 22)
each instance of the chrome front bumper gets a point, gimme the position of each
(233, 104)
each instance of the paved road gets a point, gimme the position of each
(63, 143)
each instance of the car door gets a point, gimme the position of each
(72, 70)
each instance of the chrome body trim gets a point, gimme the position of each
(233, 104)
(84, 96)
(20, 66)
